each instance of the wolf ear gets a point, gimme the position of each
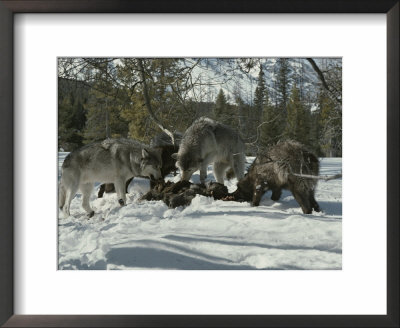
(174, 156)
(145, 153)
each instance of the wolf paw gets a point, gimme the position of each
(90, 214)
(121, 202)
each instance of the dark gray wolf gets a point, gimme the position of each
(110, 161)
(281, 167)
(207, 141)
(163, 139)
(163, 142)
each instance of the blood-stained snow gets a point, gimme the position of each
(208, 234)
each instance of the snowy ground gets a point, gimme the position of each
(207, 235)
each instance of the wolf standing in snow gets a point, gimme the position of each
(282, 167)
(207, 141)
(113, 160)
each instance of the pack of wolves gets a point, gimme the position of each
(115, 162)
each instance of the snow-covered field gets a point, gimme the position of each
(207, 235)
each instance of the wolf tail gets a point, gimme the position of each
(61, 195)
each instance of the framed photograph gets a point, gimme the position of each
(175, 164)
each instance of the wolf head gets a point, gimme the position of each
(151, 163)
(187, 164)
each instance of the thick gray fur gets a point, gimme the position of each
(278, 168)
(207, 141)
(110, 161)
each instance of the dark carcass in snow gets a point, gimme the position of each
(182, 192)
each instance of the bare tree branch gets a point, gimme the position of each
(322, 78)
(148, 103)
(319, 177)
(258, 130)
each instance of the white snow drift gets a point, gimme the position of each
(208, 234)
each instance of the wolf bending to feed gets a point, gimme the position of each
(207, 141)
(286, 165)
(163, 143)
(110, 161)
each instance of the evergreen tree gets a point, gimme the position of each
(260, 98)
(244, 119)
(282, 96)
(330, 122)
(271, 127)
(136, 115)
(298, 119)
(104, 118)
(283, 83)
(168, 90)
(315, 132)
(72, 97)
(221, 108)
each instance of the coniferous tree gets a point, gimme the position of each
(104, 118)
(271, 126)
(260, 98)
(72, 97)
(282, 85)
(298, 119)
(221, 108)
(244, 120)
(168, 91)
(283, 82)
(315, 132)
(330, 120)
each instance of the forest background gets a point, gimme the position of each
(265, 99)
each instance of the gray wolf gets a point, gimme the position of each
(109, 161)
(207, 141)
(163, 143)
(163, 139)
(280, 167)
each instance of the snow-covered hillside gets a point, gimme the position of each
(208, 234)
(222, 73)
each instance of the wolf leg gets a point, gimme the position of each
(219, 171)
(69, 195)
(61, 196)
(203, 173)
(120, 189)
(313, 202)
(259, 189)
(128, 183)
(276, 194)
(101, 190)
(303, 201)
(238, 165)
(86, 190)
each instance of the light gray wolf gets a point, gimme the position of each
(163, 143)
(109, 161)
(282, 166)
(207, 141)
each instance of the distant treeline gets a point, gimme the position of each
(99, 98)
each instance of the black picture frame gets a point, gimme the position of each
(7, 201)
